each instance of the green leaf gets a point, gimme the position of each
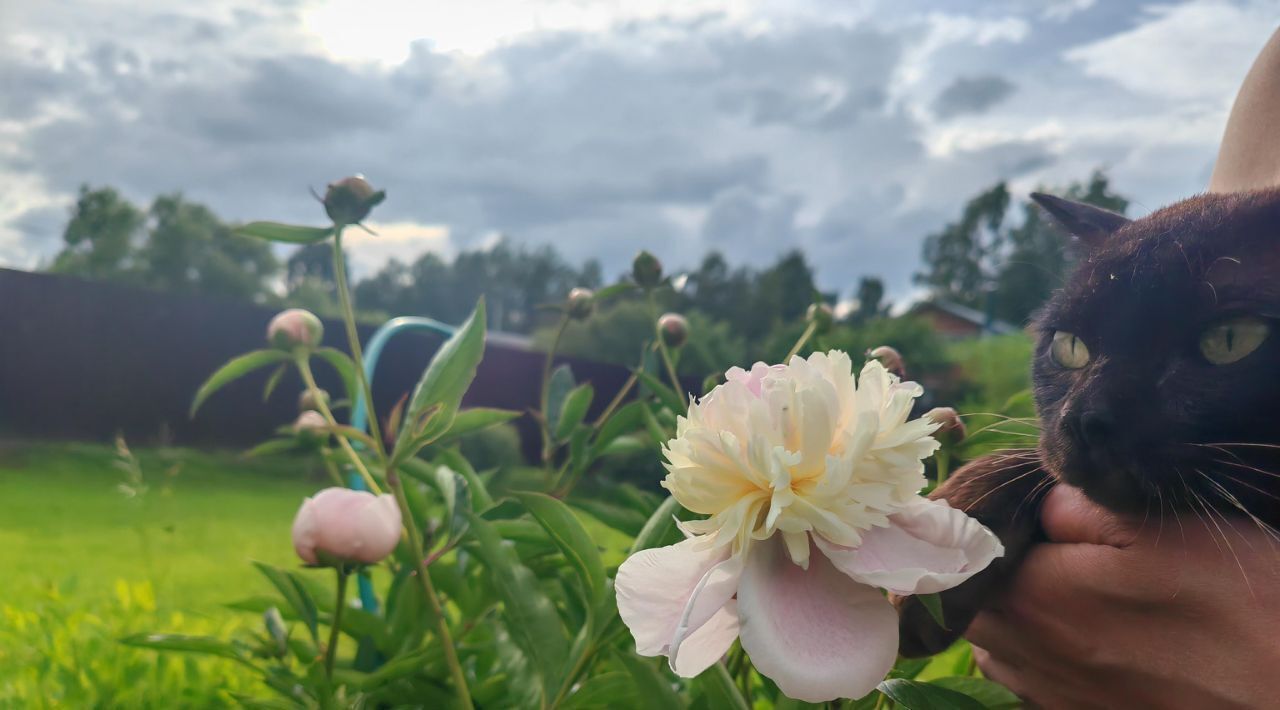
(480, 498)
(296, 594)
(659, 529)
(615, 290)
(475, 419)
(653, 690)
(915, 695)
(181, 642)
(457, 500)
(657, 432)
(622, 446)
(446, 379)
(624, 420)
(235, 369)
(558, 388)
(346, 368)
(720, 689)
(575, 544)
(574, 410)
(992, 695)
(288, 233)
(617, 517)
(667, 396)
(273, 380)
(933, 604)
(600, 692)
(272, 446)
(530, 617)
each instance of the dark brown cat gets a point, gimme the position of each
(1157, 380)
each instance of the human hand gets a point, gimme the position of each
(1113, 612)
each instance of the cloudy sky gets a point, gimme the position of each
(848, 128)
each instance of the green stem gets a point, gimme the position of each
(569, 680)
(330, 468)
(616, 401)
(335, 628)
(304, 369)
(429, 592)
(663, 351)
(353, 338)
(545, 398)
(804, 338)
(943, 461)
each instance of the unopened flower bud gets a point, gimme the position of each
(276, 631)
(581, 303)
(311, 427)
(821, 316)
(295, 328)
(890, 358)
(674, 329)
(646, 270)
(950, 427)
(349, 200)
(309, 401)
(342, 526)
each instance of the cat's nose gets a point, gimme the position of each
(1096, 427)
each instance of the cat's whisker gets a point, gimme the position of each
(1015, 479)
(1214, 509)
(1243, 444)
(1246, 484)
(1272, 534)
(1246, 466)
(1226, 541)
(1033, 493)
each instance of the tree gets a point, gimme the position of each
(871, 303)
(961, 260)
(100, 236)
(189, 250)
(1038, 260)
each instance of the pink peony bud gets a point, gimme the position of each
(295, 328)
(349, 200)
(950, 426)
(674, 329)
(646, 270)
(581, 303)
(822, 317)
(308, 400)
(339, 525)
(890, 358)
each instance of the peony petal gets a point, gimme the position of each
(708, 644)
(928, 547)
(655, 588)
(816, 633)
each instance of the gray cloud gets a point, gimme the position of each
(972, 94)
(672, 135)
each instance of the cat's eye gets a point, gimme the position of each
(1068, 350)
(1233, 339)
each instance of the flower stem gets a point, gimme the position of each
(616, 401)
(663, 351)
(943, 462)
(335, 628)
(353, 338)
(429, 592)
(545, 398)
(304, 369)
(804, 338)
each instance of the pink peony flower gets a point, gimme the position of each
(811, 483)
(342, 525)
(294, 328)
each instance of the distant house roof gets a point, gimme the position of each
(979, 320)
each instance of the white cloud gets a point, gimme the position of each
(1185, 52)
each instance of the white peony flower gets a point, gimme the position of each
(811, 483)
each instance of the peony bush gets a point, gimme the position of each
(794, 506)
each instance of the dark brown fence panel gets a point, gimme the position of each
(85, 360)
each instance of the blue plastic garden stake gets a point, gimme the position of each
(360, 408)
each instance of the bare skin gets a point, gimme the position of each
(1130, 613)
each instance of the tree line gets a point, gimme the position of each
(997, 256)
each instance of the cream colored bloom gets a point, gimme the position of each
(810, 479)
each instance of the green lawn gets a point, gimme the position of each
(85, 564)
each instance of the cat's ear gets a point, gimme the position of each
(1092, 225)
